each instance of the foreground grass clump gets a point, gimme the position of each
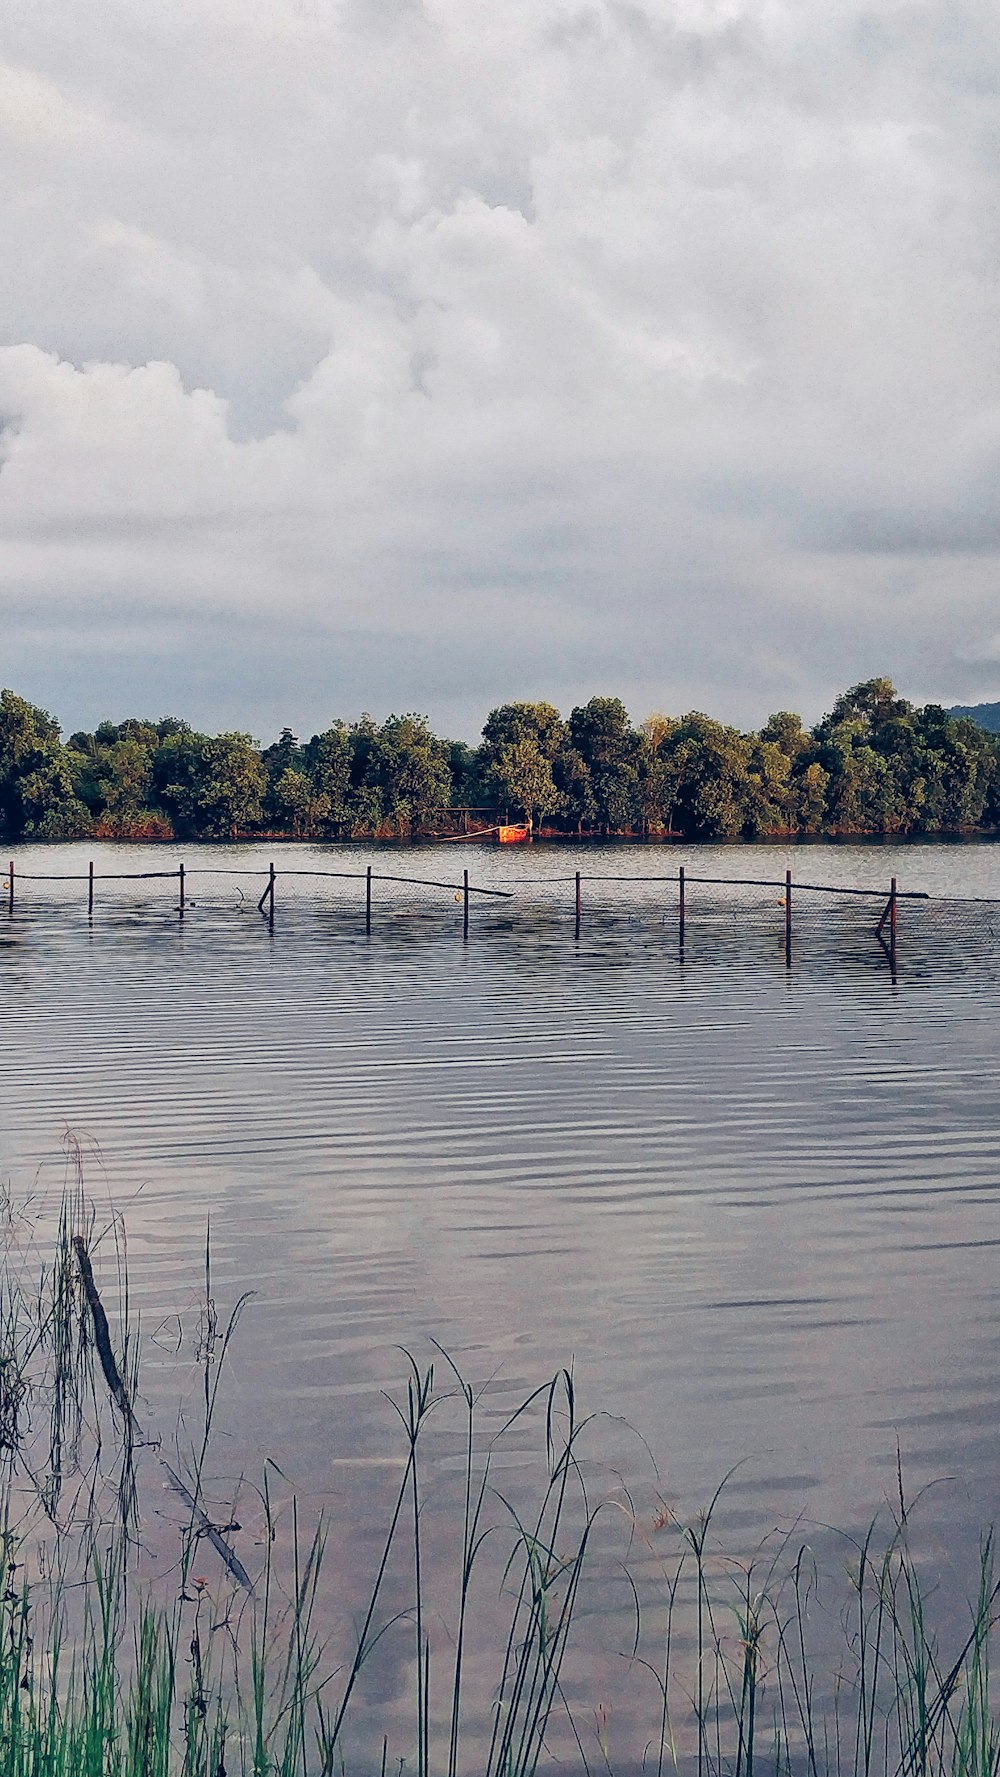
(256, 1659)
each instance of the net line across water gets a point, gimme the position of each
(185, 873)
(372, 894)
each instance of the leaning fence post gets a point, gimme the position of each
(368, 903)
(465, 905)
(578, 903)
(788, 919)
(180, 899)
(90, 890)
(10, 887)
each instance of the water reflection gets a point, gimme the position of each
(755, 1207)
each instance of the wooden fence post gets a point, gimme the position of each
(579, 903)
(180, 901)
(368, 903)
(90, 890)
(892, 923)
(270, 898)
(10, 887)
(680, 900)
(465, 905)
(788, 919)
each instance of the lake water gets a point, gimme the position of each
(756, 1207)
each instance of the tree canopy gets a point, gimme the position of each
(875, 764)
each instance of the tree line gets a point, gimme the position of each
(875, 764)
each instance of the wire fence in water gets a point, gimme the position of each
(700, 912)
(200, 892)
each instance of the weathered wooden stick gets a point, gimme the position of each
(788, 919)
(112, 1376)
(207, 1528)
(102, 1337)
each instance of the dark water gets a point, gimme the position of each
(756, 1208)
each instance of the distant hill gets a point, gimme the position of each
(987, 715)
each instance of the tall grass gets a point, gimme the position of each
(731, 1669)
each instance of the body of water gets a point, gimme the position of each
(756, 1207)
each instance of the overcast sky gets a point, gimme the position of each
(421, 354)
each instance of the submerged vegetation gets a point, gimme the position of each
(470, 1646)
(875, 764)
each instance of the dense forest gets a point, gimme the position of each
(875, 764)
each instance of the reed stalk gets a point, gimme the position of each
(100, 1677)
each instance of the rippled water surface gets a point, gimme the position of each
(755, 1206)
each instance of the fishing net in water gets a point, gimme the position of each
(698, 915)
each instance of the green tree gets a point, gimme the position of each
(367, 811)
(233, 783)
(50, 809)
(126, 777)
(571, 777)
(871, 705)
(609, 747)
(299, 807)
(467, 787)
(953, 773)
(284, 754)
(328, 763)
(37, 794)
(870, 751)
(513, 722)
(365, 798)
(810, 788)
(770, 797)
(411, 770)
(139, 729)
(657, 773)
(864, 795)
(524, 777)
(874, 764)
(521, 743)
(178, 767)
(712, 762)
(784, 730)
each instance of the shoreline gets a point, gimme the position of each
(427, 841)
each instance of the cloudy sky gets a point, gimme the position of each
(418, 354)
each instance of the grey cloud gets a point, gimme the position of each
(910, 533)
(497, 351)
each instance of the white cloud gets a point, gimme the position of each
(35, 114)
(641, 346)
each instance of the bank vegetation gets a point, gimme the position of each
(876, 764)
